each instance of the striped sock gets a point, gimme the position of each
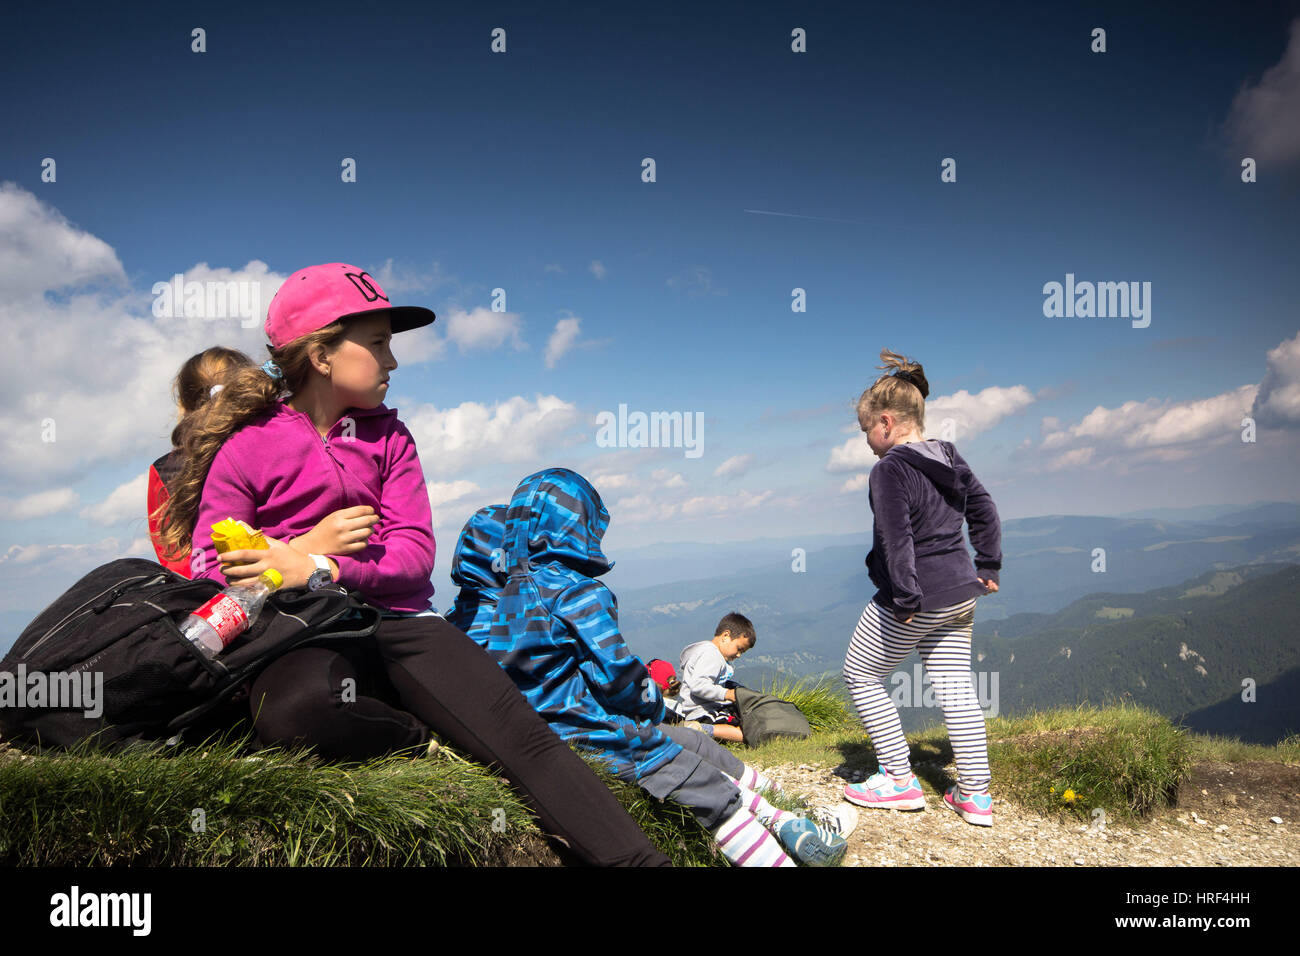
(767, 814)
(746, 842)
(751, 779)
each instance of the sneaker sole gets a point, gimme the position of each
(977, 819)
(823, 857)
(915, 803)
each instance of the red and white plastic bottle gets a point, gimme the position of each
(228, 614)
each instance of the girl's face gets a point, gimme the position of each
(360, 366)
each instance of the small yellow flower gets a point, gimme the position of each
(1069, 796)
(1053, 790)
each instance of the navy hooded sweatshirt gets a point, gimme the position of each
(920, 494)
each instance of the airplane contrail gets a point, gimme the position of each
(791, 215)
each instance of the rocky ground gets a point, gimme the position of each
(1241, 814)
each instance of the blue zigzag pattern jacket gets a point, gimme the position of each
(552, 626)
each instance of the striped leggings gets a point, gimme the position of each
(943, 636)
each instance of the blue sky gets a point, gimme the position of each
(522, 171)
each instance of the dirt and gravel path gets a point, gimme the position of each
(1227, 816)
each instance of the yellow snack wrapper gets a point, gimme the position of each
(232, 535)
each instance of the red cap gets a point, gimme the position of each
(662, 672)
(313, 297)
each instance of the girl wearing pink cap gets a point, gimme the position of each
(306, 435)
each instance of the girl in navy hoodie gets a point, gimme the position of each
(921, 490)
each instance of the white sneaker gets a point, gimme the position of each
(841, 819)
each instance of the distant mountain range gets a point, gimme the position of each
(1199, 652)
(1186, 609)
(805, 618)
(1222, 583)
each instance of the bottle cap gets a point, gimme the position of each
(272, 578)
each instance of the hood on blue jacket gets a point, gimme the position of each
(937, 460)
(480, 540)
(555, 515)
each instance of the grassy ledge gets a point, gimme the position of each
(211, 805)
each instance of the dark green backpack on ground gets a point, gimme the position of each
(764, 717)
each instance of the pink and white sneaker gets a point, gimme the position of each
(882, 792)
(976, 808)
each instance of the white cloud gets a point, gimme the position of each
(562, 339)
(639, 509)
(1075, 458)
(1165, 431)
(1152, 423)
(470, 435)
(970, 415)
(41, 504)
(853, 455)
(614, 482)
(554, 267)
(31, 576)
(696, 281)
(977, 413)
(1277, 403)
(1264, 119)
(481, 328)
(224, 296)
(668, 479)
(125, 502)
(705, 505)
(404, 280)
(41, 251)
(88, 371)
(734, 466)
(597, 268)
(856, 483)
(443, 493)
(414, 346)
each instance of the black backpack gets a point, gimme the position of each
(120, 624)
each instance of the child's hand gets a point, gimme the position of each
(343, 532)
(989, 585)
(294, 566)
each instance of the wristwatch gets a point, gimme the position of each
(323, 574)
(320, 578)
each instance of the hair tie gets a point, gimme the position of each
(271, 369)
(907, 377)
(214, 389)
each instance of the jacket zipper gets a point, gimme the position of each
(325, 446)
(115, 591)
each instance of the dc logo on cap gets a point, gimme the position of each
(362, 281)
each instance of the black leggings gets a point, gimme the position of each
(441, 679)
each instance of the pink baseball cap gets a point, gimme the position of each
(313, 297)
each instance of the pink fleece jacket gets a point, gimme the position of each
(278, 474)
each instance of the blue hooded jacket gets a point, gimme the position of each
(553, 627)
(478, 568)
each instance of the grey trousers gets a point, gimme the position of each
(708, 748)
(697, 777)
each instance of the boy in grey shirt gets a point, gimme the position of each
(708, 690)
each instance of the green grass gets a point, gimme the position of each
(819, 701)
(285, 809)
(1230, 749)
(290, 809)
(1127, 760)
